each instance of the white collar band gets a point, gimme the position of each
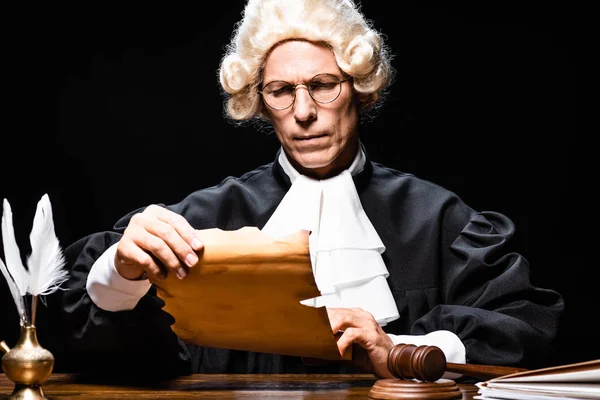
(345, 248)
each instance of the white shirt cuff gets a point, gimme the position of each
(108, 289)
(447, 341)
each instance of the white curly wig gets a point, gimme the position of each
(358, 48)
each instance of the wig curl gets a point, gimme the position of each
(358, 48)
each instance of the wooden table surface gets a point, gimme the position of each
(214, 386)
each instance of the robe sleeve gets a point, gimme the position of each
(140, 342)
(132, 343)
(488, 299)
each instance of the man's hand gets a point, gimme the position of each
(360, 328)
(157, 242)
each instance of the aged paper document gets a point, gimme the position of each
(245, 293)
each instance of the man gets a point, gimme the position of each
(397, 259)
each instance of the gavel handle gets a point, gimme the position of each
(481, 371)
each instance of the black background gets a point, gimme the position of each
(114, 108)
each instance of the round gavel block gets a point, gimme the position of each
(392, 389)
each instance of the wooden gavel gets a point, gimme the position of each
(428, 364)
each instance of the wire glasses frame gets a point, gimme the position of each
(322, 88)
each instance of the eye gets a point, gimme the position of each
(323, 82)
(278, 88)
(322, 85)
(283, 90)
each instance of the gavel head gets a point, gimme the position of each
(425, 363)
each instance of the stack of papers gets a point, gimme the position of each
(568, 382)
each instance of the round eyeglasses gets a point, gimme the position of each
(322, 88)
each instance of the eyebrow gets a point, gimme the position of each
(336, 74)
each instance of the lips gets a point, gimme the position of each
(311, 143)
(311, 137)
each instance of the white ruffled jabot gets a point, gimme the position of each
(345, 249)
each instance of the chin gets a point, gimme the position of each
(314, 162)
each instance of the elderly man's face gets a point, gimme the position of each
(320, 140)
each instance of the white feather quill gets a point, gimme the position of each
(46, 260)
(14, 291)
(14, 271)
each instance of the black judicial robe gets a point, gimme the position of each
(450, 268)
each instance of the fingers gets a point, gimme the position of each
(180, 224)
(348, 338)
(360, 328)
(344, 318)
(132, 262)
(356, 328)
(157, 241)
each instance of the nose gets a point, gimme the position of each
(305, 108)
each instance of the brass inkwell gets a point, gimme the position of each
(28, 364)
